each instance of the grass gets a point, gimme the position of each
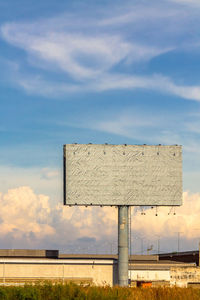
(47, 291)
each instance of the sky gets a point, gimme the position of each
(99, 72)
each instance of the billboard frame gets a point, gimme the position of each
(115, 204)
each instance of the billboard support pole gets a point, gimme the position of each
(123, 231)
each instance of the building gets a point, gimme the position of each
(186, 256)
(149, 270)
(25, 266)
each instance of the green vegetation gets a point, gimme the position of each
(47, 291)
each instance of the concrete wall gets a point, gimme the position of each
(80, 271)
(177, 276)
(183, 276)
(88, 271)
(151, 275)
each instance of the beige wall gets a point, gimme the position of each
(150, 275)
(184, 275)
(99, 274)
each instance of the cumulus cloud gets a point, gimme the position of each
(29, 220)
(166, 224)
(91, 221)
(38, 178)
(22, 211)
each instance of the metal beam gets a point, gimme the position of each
(123, 231)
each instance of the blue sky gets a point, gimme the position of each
(95, 71)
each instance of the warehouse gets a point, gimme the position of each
(149, 270)
(25, 266)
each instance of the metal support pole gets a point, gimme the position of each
(123, 232)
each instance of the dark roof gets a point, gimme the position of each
(29, 253)
(185, 253)
(186, 256)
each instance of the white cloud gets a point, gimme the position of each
(82, 56)
(41, 180)
(140, 127)
(139, 13)
(29, 220)
(192, 3)
(91, 221)
(49, 174)
(185, 221)
(96, 58)
(127, 123)
(39, 86)
(24, 212)
(156, 82)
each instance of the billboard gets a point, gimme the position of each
(138, 175)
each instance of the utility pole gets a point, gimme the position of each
(142, 246)
(158, 244)
(178, 240)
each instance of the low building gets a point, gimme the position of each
(185, 276)
(183, 256)
(148, 270)
(23, 266)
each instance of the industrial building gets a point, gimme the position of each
(23, 266)
(185, 256)
(149, 270)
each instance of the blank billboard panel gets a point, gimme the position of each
(122, 175)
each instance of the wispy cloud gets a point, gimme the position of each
(82, 56)
(96, 58)
(37, 84)
(138, 12)
(155, 82)
(142, 126)
(192, 3)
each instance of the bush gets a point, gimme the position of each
(27, 292)
(3, 294)
(48, 291)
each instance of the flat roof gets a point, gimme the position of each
(161, 265)
(183, 253)
(29, 253)
(110, 256)
(57, 261)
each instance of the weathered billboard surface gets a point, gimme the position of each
(122, 175)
